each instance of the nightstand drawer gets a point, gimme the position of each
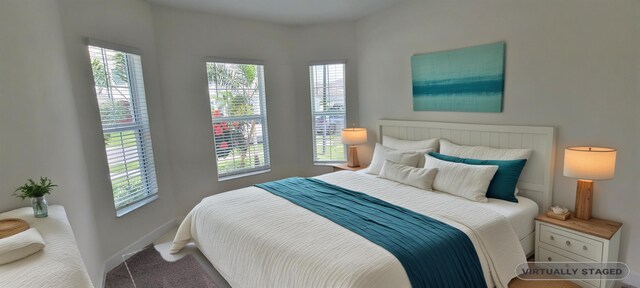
(571, 242)
(549, 256)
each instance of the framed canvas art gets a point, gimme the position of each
(465, 80)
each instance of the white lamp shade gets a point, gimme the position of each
(354, 136)
(590, 163)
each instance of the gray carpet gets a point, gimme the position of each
(150, 270)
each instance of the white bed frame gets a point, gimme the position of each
(536, 180)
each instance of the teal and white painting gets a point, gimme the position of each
(467, 80)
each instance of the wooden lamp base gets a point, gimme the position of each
(352, 157)
(584, 199)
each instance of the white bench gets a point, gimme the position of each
(58, 264)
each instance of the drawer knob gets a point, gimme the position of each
(568, 243)
(584, 247)
(549, 258)
(551, 237)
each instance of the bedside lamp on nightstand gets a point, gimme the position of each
(352, 137)
(588, 164)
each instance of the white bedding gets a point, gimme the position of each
(520, 215)
(58, 264)
(257, 239)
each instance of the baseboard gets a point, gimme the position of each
(633, 280)
(116, 259)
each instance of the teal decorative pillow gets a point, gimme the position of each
(503, 184)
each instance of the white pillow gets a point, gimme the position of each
(401, 144)
(381, 153)
(18, 246)
(416, 177)
(468, 181)
(482, 152)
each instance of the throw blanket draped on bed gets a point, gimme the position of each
(432, 253)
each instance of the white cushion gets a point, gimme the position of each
(417, 177)
(18, 246)
(401, 144)
(424, 146)
(468, 181)
(482, 152)
(381, 153)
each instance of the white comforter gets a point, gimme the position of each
(57, 265)
(257, 239)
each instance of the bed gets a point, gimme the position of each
(257, 239)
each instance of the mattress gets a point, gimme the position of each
(257, 239)
(520, 215)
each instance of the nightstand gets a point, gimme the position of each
(343, 166)
(575, 240)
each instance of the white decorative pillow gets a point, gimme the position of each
(482, 152)
(416, 177)
(18, 246)
(401, 144)
(381, 153)
(468, 181)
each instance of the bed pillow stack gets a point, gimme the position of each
(468, 181)
(509, 163)
(402, 161)
(413, 157)
(503, 183)
(412, 145)
(404, 157)
(473, 172)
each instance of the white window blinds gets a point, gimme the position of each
(123, 111)
(328, 111)
(239, 118)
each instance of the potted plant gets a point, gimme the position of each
(37, 192)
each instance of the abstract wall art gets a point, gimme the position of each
(465, 80)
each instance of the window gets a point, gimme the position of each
(123, 111)
(239, 118)
(328, 111)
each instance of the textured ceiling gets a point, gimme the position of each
(293, 12)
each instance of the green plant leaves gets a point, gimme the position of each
(31, 189)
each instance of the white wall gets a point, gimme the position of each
(321, 43)
(39, 129)
(49, 116)
(184, 39)
(127, 23)
(570, 64)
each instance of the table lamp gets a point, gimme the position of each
(352, 137)
(588, 164)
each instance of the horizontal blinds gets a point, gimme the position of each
(239, 120)
(119, 87)
(328, 108)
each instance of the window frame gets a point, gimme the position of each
(140, 128)
(314, 114)
(240, 173)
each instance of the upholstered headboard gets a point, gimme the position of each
(536, 181)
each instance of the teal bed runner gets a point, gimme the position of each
(433, 254)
